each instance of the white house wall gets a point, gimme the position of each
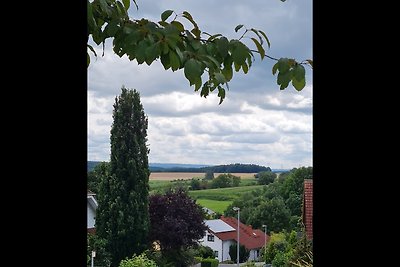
(91, 215)
(225, 252)
(215, 246)
(253, 255)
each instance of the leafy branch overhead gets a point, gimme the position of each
(208, 61)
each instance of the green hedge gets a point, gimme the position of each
(209, 263)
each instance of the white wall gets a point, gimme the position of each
(253, 255)
(216, 245)
(91, 215)
(227, 244)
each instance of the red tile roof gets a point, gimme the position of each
(91, 230)
(308, 207)
(249, 237)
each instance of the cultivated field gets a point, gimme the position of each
(168, 176)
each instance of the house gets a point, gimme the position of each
(91, 211)
(308, 208)
(222, 233)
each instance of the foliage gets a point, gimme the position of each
(266, 178)
(277, 243)
(302, 252)
(293, 187)
(138, 261)
(209, 263)
(176, 223)
(244, 253)
(98, 244)
(176, 47)
(124, 193)
(203, 252)
(308, 262)
(281, 259)
(272, 212)
(99, 172)
(225, 180)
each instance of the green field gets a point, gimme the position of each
(214, 205)
(230, 193)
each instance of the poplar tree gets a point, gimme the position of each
(122, 216)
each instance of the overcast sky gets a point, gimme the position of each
(256, 124)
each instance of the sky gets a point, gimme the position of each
(256, 124)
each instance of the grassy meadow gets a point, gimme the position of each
(217, 199)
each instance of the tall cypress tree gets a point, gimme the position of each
(122, 215)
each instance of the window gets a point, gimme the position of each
(210, 238)
(216, 253)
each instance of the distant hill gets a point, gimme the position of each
(176, 167)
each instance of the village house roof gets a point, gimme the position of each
(308, 207)
(225, 229)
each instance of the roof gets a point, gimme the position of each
(218, 226)
(90, 193)
(249, 237)
(308, 207)
(91, 230)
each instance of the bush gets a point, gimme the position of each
(209, 263)
(138, 261)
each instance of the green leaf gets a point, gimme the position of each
(205, 91)
(284, 78)
(298, 85)
(127, 4)
(299, 72)
(178, 25)
(111, 29)
(238, 27)
(196, 32)
(174, 60)
(213, 36)
(165, 61)
(152, 52)
(228, 72)
(141, 51)
(165, 15)
(259, 48)
(222, 46)
(91, 21)
(221, 94)
(256, 32)
(213, 60)
(192, 69)
(283, 65)
(237, 66)
(189, 17)
(220, 77)
(240, 53)
(197, 83)
(245, 68)
(275, 68)
(164, 47)
(105, 8)
(265, 37)
(121, 10)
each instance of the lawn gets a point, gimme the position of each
(214, 205)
